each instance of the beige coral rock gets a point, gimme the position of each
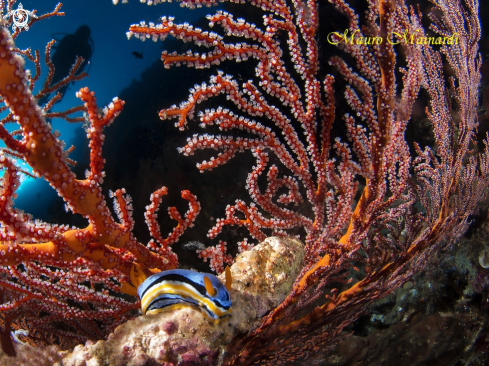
(262, 278)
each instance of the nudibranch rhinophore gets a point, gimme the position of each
(179, 288)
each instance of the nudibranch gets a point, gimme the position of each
(179, 288)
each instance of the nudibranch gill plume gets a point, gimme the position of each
(179, 288)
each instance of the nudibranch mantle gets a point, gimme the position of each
(179, 288)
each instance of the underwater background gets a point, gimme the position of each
(141, 154)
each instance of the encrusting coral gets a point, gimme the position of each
(262, 278)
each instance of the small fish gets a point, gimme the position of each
(193, 245)
(137, 54)
(179, 288)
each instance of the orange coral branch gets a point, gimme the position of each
(43, 151)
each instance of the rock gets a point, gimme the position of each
(433, 340)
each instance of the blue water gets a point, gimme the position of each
(112, 66)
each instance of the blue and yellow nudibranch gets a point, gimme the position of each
(179, 288)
